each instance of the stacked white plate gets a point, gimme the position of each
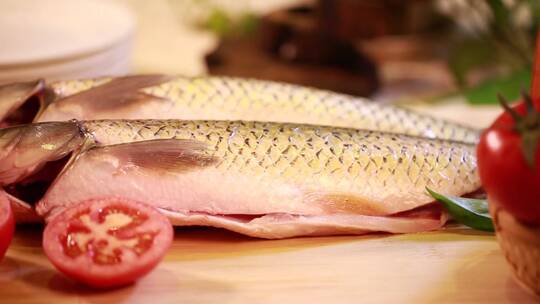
(64, 39)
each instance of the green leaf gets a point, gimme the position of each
(467, 211)
(508, 86)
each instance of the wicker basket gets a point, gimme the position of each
(521, 247)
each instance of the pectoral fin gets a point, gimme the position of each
(160, 155)
(117, 93)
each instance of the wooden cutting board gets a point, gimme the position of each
(214, 266)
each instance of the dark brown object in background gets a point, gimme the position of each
(360, 19)
(291, 47)
(342, 45)
(243, 58)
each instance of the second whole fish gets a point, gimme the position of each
(220, 98)
(265, 180)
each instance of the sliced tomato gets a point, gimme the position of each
(7, 224)
(107, 242)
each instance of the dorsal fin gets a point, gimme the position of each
(162, 155)
(119, 92)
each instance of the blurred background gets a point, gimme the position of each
(446, 57)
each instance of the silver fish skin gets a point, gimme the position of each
(265, 180)
(226, 98)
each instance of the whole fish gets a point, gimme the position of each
(225, 98)
(261, 179)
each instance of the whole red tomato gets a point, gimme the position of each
(510, 179)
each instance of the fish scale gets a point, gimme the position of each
(226, 98)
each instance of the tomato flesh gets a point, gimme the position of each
(7, 224)
(107, 242)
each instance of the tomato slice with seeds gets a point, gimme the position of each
(107, 242)
(7, 224)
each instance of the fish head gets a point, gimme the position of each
(22, 102)
(25, 149)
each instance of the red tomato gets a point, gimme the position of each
(507, 178)
(107, 242)
(7, 224)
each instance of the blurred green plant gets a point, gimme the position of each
(223, 18)
(495, 49)
(223, 24)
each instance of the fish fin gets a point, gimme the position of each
(336, 202)
(162, 155)
(117, 93)
(14, 95)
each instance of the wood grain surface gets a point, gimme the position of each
(214, 266)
